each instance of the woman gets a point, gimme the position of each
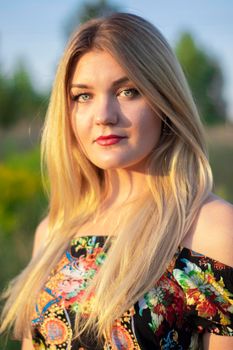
(136, 251)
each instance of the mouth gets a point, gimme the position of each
(109, 140)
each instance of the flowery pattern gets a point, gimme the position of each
(193, 296)
(206, 295)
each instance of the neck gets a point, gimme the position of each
(123, 186)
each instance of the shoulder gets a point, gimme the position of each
(40, 235)
(212, 232)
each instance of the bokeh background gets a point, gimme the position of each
(32, 37)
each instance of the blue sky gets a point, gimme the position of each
(34, 30)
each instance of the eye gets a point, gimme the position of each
(130, 93)
(82, 98)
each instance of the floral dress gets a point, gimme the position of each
(193, 296)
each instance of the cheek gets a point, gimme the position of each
(79, 127)
(82, 115)
(83, 138)
(149, 127)
(79, 133)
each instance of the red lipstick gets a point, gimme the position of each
(109, 140)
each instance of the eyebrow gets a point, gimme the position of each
(114, 84)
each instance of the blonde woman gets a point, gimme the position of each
(136, 251)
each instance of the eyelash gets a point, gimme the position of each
(134, 92)
(76, 97)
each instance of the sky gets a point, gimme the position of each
(34, 31)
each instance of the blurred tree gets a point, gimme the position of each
(4, 98)
(18, 98)
(87, 11)
(205, 78)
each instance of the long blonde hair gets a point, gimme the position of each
(179, 177)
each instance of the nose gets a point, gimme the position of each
(105, 111)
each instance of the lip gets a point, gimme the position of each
(109, 140)
(109, 137)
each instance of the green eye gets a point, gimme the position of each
(81, 97)
(129, 93)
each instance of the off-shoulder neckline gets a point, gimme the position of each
(180, 248)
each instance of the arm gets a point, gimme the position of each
(213, 236)
(216, 342)
(27, 344)
(212, 232)
(39, 237)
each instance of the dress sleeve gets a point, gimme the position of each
(208, 288)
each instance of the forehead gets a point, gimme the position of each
(95, 66)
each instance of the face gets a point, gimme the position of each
(113, 123)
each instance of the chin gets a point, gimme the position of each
(108, 164)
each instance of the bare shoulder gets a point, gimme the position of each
(212, 233)
(27, 344)
(40, 235)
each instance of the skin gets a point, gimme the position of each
(212, 237)
(107, 110)
(105, 102)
